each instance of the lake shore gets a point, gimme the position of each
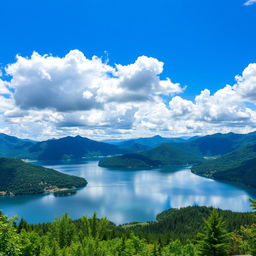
(46, 191)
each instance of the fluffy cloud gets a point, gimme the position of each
(52, 97)
(221, 107)
(246, 84)
(250, 2)
(4, 90)
(75, 83)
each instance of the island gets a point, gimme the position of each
(129, 161)
(164, 154)
(19, 178)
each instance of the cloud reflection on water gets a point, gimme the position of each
(125, 196)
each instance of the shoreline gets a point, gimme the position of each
(46, 191)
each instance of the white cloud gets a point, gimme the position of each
(53, 97)
(250, 2)
(4, 88)
(246, 84)
(74, 83)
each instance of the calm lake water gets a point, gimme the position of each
(125, 196)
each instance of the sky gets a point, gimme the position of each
(123, 69)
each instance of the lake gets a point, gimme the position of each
(124, 196)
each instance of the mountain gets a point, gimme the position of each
(149, 142)
(209, 145)
(18, 177)
(71, 148)
(77, 147)
(164, 154)
(11, 146)
(135, 148)
(237, 166)
(218, 144)
(129, 161)
(169, 154)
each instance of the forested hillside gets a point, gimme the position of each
(18, 177)
(77, 147)
(149, 142)
(176, 233)
(165, 154)
(11, 146)
(55, 149)
(129, 161)
(217, 144)
(238, 166)
(169, 154)
(71, 148)
(170, 224)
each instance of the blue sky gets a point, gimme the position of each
(203, 44)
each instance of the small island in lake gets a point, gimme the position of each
(129, 161)
(19, 178)
(164, 154)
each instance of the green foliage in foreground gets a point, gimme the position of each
(99, 237)
(238, 166)
(171, 225)
(18, 177)
(214, 238)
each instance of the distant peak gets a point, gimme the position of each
(157, 137)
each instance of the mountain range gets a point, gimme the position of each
(71, 148)
(229, 157)
(141, 144)
(11, 146)
(55, 149)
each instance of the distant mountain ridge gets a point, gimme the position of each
(78, 147)
(149, 142)
(55, 149)
(220, 144)
(11, 146)
(209, 145)
(71, 148)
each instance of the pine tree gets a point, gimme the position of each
(22, 225)
(10, 243)
(253, 204)
(214, 238)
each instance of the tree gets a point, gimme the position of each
(9, 239)
(214, 239)
(253, 204)
(22, 225)
(63, 230)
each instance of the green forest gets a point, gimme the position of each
(18, 178)
(164, 154)
(128, 161)
(237, 166)
(191, 231)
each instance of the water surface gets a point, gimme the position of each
(124, 196)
